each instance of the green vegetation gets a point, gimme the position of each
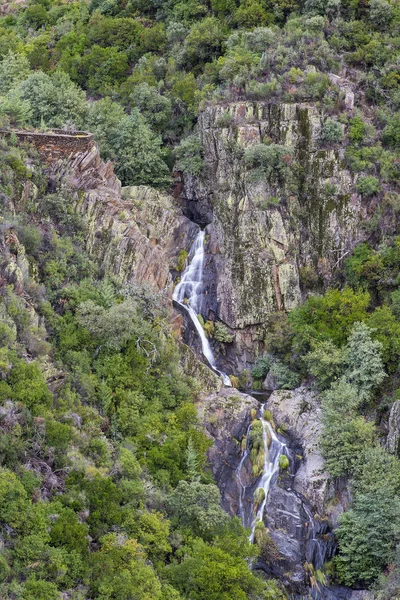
(347, 340)
(105, 491)
(100, 446)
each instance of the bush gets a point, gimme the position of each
(284, 377)
(262, 366)
(221, 333)
(391, 133)
(268, 161)
(54, 99)
(189, 156)
(331, 131)
(368, 186)
(28, 385)
(357, 130)
(128, 141)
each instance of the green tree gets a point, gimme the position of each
(212, 572)
(68, 533)
(386, 330)
(196, 506)
(367, 536)
(391, 133)
(28, 385)
(325, 362)
(189, 156)
(368, 185)
(37, 589)
(331, 131)
(120, 572)
(14, 68)
(155, 108)
(111, 328)
(364, 366)
(128, 141)
(54, 99)
(328, 317)
(102, 69)
(204, 41)
(13, 500)
(345, 435)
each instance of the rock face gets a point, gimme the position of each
(295, 514)
(298, 413)
(393, 437)
(134, 232)
(226, 416)
(270, 232)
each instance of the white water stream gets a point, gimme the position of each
(188, 294)
(272, 453)
(273, 449)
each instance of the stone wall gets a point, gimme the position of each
(56, 143)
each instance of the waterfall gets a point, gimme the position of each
(316, 550)
(188, 294)
(318, 540)
(272, 454)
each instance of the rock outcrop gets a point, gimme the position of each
(298, 512)
(393, 437)
(298, 414)
(226, 416)
(273, 227)
(133, 232)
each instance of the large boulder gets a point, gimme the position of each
(298, 414)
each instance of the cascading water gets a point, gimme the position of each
(317, 540)
(188, 294)
(273, 449)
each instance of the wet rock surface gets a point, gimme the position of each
(226, 416)
(294, 512)
(298, 414)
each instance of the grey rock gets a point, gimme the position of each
(226, 416)
(298, 412)
(393, 437)
(261, 232)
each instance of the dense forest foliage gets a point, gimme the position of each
(105, 491)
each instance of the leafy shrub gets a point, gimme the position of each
(221, 333)
(262, 366)
(285, 378)
(268, 161)
(331, 131)
(368, 186)
(189, 156)
(357, 130)
(127, 140)
(28, 385)
(391, 133)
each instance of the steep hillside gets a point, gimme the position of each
(199, 299)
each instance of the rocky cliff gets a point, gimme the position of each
(134, 232)
(278, 222)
